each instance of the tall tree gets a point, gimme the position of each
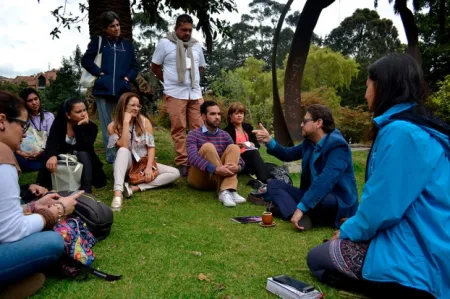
(364, 36)
(296, 64)
(63, 87)
(434, 32)
(401, 7)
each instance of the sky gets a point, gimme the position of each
(27, 47)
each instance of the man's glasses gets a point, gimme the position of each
(25, 125)
(306, 120)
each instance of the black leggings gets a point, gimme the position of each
(44, 177)
(254, 164)
(320, 264)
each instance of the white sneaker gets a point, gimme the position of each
(227, 199)
(237, 198)
(116, 203)
(127, 191)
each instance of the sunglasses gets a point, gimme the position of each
(25, 125)
(306, 120)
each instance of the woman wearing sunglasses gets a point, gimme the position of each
(25, 249)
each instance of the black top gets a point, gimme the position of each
(85, 136)
(231, 129)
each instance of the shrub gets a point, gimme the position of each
(440, 100)
(354, 124)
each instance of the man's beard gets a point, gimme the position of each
(306, 135)
(211, 124)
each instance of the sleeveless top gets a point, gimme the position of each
(138, 144)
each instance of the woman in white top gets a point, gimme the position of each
(132, 134)
(30, 154)
(24, 249)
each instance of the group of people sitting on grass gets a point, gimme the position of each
(394, 241)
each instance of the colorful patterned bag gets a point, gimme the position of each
(78, 254)
(78, 240)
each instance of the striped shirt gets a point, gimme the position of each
(195, 140)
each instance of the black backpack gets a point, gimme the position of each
(98, 216)
(279, 173)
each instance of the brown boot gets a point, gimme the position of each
(23, 288)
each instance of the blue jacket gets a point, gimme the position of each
(118, 61)
(335, 173)
(405, 207)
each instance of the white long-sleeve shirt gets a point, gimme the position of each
(14, 225)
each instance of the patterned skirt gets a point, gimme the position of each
(348, 257)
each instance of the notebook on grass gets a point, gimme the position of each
(247, 219)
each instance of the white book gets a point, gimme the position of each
(288, 292)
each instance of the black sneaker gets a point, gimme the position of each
(183, 170)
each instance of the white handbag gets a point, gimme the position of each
(67, 176)
(34, 142)
(87, 80)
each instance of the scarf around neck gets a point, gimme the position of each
(181, 57)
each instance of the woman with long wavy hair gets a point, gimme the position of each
(132, 134)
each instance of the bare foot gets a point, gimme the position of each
(118, 193)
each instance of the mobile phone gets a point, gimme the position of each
(299, 285)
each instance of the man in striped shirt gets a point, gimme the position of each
(214, 158)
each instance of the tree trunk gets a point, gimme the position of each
(121, 7)
(279, 123)
(412, 34)
(296, 64)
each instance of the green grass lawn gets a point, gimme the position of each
(163, 239)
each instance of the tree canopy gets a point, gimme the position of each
(204, 10)
(364, 36)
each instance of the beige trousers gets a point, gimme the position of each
(122, 164)
(202, 180)
(180, 112)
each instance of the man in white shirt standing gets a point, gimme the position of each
(181, 57)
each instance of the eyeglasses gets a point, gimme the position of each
(139, 107)
(25, 125)
(306, 120)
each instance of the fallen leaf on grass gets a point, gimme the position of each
(197, 253)
(219, 286)
(203, 277)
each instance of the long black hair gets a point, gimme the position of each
(398, 79)
(24, 93)
(66, 107)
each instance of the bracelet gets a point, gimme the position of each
(60, 213)
(49, 218)
(62, 205)
(30, 208)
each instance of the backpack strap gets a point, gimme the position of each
(100, 274)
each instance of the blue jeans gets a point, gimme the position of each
(105, 108)
(29, 165)
(30, 255)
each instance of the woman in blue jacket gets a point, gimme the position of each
(118, 69)
(398, 240)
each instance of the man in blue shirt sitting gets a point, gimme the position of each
(327, 190)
